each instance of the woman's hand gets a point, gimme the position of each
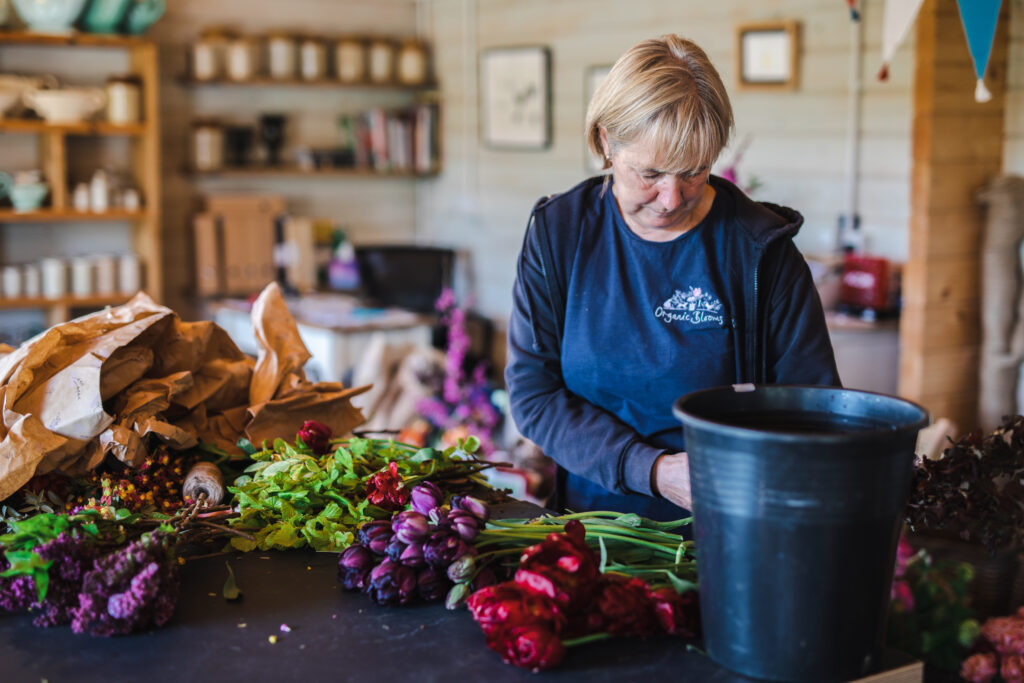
(670, 478)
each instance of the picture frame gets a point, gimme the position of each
(515, 97)
(592, 77)
(766, 55)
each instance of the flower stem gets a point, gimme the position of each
(582, 640)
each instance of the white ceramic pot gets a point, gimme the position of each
(12, 87)
(49, 16)
(66, 105)
(8, 98)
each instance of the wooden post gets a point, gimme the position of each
(957, 148)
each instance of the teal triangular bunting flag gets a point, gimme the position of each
(979, 18)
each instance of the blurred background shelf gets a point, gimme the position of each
(73, 39)
(256, 171)
(80, 128)
(68, 216)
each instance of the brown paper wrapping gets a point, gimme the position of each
(120, 381)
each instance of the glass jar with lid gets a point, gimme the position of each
(382, 61)
(208, 54)
(124, 97)
(207, 145)
(243, 54)
(312, 59)
(412, 62)
(350, 59)
(281, 56)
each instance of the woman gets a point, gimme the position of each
(636, 288)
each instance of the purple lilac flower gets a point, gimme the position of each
(72, 556)
(129, 590)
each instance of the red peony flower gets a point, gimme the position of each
(533, 646)
(316, 435)
(507, 605)
(385, 489)
(980, 668)
(1006, 634)
(678, 615)
(624, 608)
(561, 567)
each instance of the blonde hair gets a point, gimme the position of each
(664, 90)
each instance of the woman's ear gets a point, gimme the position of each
(605, 147)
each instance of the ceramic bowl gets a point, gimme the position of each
(66, 105)
(8, 98)
(49, 16)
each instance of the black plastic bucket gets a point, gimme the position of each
(798, 495)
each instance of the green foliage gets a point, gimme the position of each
(289, 497)
(940, 626)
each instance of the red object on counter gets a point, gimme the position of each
(867, 283)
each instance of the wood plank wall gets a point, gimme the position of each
(957, 148)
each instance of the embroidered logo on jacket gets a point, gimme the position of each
(695, 306)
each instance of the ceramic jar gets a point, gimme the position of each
(129, 274)
(207, 145)
(412, 63)
(381, 61)
(312, 59)
(350, 60)
(281, 56)
(208, 54)
(242, 61)
(124, 100)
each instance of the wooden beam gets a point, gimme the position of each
(957, 148)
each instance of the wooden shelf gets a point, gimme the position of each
(79, 128)
(96, 301)
(263, 82)
(68, 216)
(75, 38)
(294, 171)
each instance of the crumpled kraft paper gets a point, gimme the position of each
(117, 381)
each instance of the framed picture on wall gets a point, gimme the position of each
(767, 55)
(515, 97)
(591, 79)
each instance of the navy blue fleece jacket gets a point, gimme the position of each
(607, 330)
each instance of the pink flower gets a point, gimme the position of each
(979, 668)
(902, 595)
(1012, 669)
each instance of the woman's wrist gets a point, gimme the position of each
(670, 479)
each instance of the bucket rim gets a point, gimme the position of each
(780, 435)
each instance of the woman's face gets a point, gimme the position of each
(653, 201)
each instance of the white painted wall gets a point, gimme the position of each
(798, 151)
